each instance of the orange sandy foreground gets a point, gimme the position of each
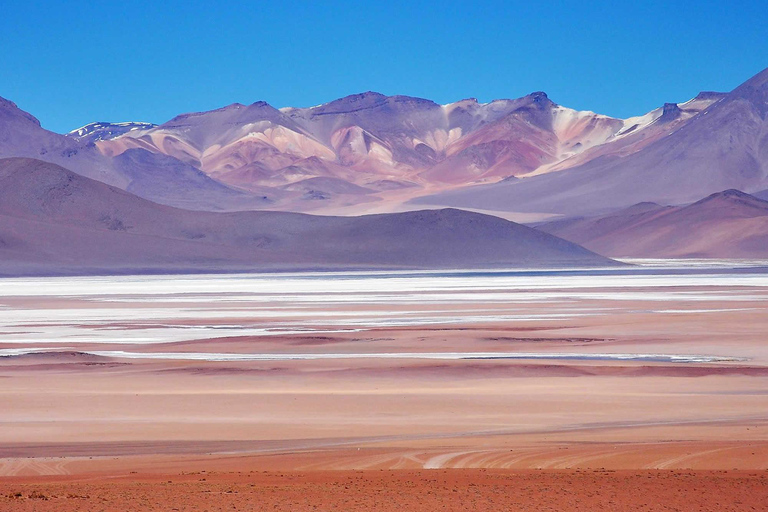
(79, 432)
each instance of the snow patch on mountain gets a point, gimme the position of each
(107, 131)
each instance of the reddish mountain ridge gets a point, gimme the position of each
(151, 175)
(391, 148)
(723, 146)
(370, 153)
(729, 224)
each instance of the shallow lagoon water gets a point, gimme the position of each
(134, 310)
(440, 356)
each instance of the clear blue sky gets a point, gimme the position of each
(70, 63)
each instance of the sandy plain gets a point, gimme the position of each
(556, 390)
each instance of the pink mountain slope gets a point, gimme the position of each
(723, 146)
(151, 175)
(374, 153)
(728, 224)
(413, 146)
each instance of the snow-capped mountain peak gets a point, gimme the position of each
(104, 131)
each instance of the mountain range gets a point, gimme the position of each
(374, 153)
(722, 146)
(521, 159)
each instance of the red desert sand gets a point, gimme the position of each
(89, 432)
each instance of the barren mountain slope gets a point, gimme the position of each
(55, 221)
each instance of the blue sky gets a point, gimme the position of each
(73, 63)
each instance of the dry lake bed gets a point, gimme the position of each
(658, 367)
